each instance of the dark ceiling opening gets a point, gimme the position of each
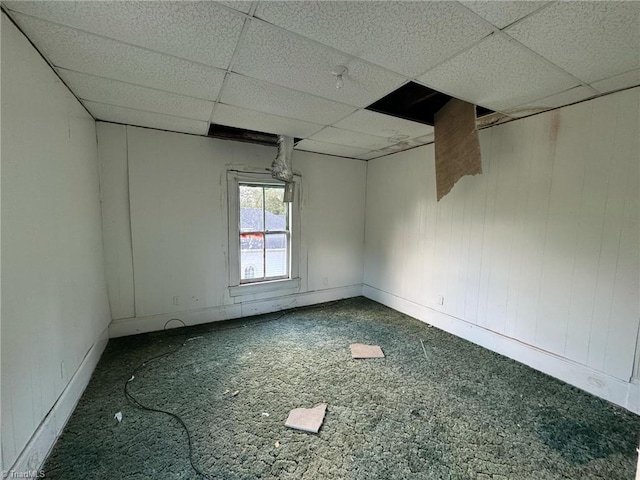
(416, 102)
(243, 135)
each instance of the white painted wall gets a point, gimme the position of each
(1, 449)
(176, 244)
(636, 368)
(542, 248)
(116, 231)
(54, 298)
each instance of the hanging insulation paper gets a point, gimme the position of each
(456, 144)
(281, 168)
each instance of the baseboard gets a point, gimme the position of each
(41, 442)
(133, 326)
(624, 394)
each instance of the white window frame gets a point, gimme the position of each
(234, 179)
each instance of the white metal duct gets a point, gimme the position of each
(281, 167)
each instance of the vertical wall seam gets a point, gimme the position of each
(133, 266)
(615, 271)
(364, 223)
(101, 208)
(629, 179)
(602, 232)
(635, 372)
(552, 155)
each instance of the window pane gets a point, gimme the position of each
(275, 209)
(251, 219)
(251, 256)
(277, 254)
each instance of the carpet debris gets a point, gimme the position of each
(265, 414)
(277, 444)
(307, 419)
(360, 350)
(235, 393)
(226, 391)
(424, 350)
(118, 416)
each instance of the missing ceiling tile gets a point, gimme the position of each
(417, 103)
(226, 132)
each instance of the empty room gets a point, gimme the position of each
(320, 240)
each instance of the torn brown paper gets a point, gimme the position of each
(456, 144)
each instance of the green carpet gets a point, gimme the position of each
(460, 412)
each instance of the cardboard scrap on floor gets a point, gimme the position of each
(307, 419)
(360, 350)
(456, 144)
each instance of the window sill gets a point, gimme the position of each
(262, 287)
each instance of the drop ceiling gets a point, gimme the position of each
(266, 66)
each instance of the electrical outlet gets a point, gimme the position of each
(440, 300)
(176, 300)
(62, 370)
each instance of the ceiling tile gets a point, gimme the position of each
(269, 98)
(406, 37)
(504, 13)
(351, 139)
(199, 31)
(372, 155)
(526, 111)
(564, 98)
(100, 56)
(121, 94)
(329, 148)
(497, 74)
(131, 116)
(239, 5)
(591, 40)
(492, 119)
(408, 144)
(424, 139)
(374, 123)
(262, 122)
(281, 57)
(624, 80)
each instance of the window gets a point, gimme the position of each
(263, 234)
(250, 272)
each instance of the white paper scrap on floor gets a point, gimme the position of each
(307, 419)
(360, 350)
